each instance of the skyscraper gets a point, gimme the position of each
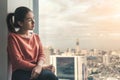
(77, 47)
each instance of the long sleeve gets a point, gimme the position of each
(41, 55)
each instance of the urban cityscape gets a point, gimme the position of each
(101, 64)
(97, 25)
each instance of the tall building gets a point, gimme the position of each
(106, 59)
(70, 67)
(77, 47)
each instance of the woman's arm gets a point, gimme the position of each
(41, 55)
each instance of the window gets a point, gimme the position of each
(82, 28)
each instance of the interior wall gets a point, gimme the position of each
(7, 6)
(12, 4)
(3, 40)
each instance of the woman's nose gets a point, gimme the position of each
(33, 21)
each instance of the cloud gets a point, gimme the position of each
(87, 19)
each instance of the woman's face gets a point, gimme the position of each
(28, 23)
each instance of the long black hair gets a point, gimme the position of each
(13, 18)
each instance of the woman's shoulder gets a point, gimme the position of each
(37, 36)
(11, 34)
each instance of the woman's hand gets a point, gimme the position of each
(49, 67)
(35, 72)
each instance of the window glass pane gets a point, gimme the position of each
(88, 28)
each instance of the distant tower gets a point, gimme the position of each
(106, 59)
(77, 42)
(77, 46)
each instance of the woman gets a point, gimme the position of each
(24, 48)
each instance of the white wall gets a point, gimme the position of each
(12, 4)
(7, 6)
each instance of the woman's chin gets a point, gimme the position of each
(32, 28)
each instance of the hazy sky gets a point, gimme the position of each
(96, 23)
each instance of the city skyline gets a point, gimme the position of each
(96, 23)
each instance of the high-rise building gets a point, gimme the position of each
(106, 59)
(70, 67)
(77, 47)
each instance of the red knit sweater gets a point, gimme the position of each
(24, 53)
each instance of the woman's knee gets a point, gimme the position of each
(21, 75)
(49, 75)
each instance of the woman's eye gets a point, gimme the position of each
(29, 20)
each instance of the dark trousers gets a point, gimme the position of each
(25, 75)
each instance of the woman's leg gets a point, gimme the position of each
(25, 75)
(21, 75)
(47, 75)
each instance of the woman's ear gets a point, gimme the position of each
(20, 23)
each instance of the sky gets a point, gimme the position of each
(96, 23)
